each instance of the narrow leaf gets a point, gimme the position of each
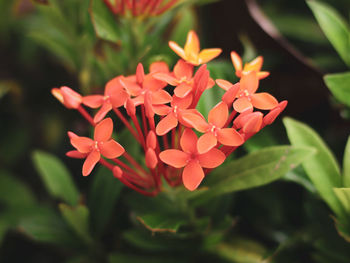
(161, 222)
(322, 168)
(256, 169)
(343, 195)
(104, 23)
(334, 26)
(56, 177)
(339, 85)
(346, 165)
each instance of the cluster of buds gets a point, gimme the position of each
(140, 8)
(165, 103)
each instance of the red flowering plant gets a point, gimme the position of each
(180, 145)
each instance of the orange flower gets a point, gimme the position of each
(246, 96)
(151, 159)
(102, 144)
(68, 97)
(254, 65)
(214, 130)
(114, 97)
(191, 160)
(191, 52)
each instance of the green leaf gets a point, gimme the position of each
(128, 258)
(103, 20)
(255, 169)
(161, 222)
(346, 165)
(78, 218)
(186, 21)
(13, 193)
(322, 168)
(56, 177)
(343, 195)
(104, 193)
(334, 26)
(45, 225)
(339, 85)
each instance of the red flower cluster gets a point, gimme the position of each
(168, 119)
(140, 8)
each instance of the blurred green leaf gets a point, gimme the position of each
(241, 250)
(106, 27)
(339, 85)
(209, 99)
(343, 195)
(45, 225)
(78, 218)
(56, 177)
(125, 258)
(334, 26)
(186, 21)
(103, 196)
(255, 169)
(161, 222)
(346, 165)
(322, 168)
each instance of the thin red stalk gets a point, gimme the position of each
(139, 131)
(155, 7)
(86, 115)
(124, 165)
(127, 124)
(128, 184)
(134, 8)
(165, 141)
(166, 7)
(230, 118)
(173, 134)
(110, 6)
(144, 122)
(137, 181)
(133, 162)
(106, 164)
(144, 6)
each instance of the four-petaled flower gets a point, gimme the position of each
(192, 161)
(254, 65)
(214, 130)
(102, 144)
(191, 52)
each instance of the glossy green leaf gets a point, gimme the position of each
(322, 168)
(45, 225)
(106, 27)
(103, 196)
(343, 195)
(56, 177)
(346, 165)
(255, 169)
(339, 85)
(78, 218)
(334, 26)
(161, 222)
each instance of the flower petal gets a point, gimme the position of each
(230, 137)
(153, 84)
(182, 103)
(236, 61)
(161, 109)
(103, 130)
(161, 97)
(195, 120)
(177, 49)
(130, 86)
(230, 94)
(175, 158)
(242, 104)
(118, 97)
(253, 122)
(76, 154)
(206, 142)
(106, 107)
(208, 54)
(82, 144)
(140, 73)
(192, 175)
(218, 115)
(224, 84)
(166, 77)
(183, 69)
(113, 84)
(93, 101)
(264, 101)
(151, 158)
(249, 81)
(188, 141)
(166, 124)
(212, 158)
(254, 65)
(192, 47)
(151, 140)
(263, 74)
(182, 90)
(71, 99)
(90, 162)
(159, 66)
(111, 149)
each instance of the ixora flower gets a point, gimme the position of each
(254, 65)
(191, 159)
(102, 144)
(160, 113)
